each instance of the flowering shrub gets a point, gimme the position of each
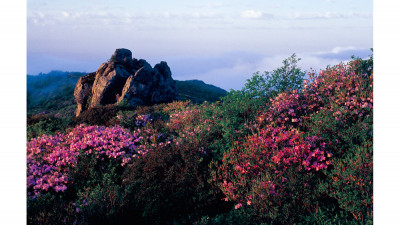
(142, 120)
(181, 119)
(350, 182)
(287, 109)
(175, 107)
(344, 121)
(264, 169)
(342, 91)
(47, 164)
(299, 135)
(50, 157)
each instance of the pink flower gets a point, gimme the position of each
(238, 206)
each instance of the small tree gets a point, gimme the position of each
(284, 78)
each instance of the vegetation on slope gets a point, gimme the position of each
(279, 151)
(197, 91)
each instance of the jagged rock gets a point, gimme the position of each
(122, 56)
(124, 78)
(150, 86)
(82, 92)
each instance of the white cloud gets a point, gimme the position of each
(234, 76)
(328, 15)
(214, 5)
(40, 15)
(232, 71)
(65, 14)
(341, 49)
(251, 14)
(166, 15)
(100, 19)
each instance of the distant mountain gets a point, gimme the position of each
(54, 92)
(51, 91)
(197, 91)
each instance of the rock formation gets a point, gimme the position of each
(123, 78)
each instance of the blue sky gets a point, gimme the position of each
(220, 42)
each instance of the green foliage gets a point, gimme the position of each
(46, 124)
(331, 216)
(351, 182)
(124, 103)
(100, 197)
(364, 66)
(233, 217)
(269, 84)
(169, 185)
(231, 115)
(50, 209)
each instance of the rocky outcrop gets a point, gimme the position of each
(123, 78)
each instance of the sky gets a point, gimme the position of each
(220, 42)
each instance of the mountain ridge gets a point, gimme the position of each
(53, 91)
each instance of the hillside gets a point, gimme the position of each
(197, 91)
(279, 151)
(53, 92)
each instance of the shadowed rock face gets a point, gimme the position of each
(124, 78)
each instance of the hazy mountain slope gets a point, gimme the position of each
(197, 91)
(54, 92)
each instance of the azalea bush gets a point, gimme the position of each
(307, 144)
(345, 122)
(273, 171)
(67, 164)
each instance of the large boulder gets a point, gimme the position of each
(123, 78)
(83, 92)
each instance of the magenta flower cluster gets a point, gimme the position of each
(272, 151)
(50, 157)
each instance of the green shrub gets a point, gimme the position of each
(51, 209)
(38, 125)
(332, 215)
(169, 185)
(100, 197)
(233, 217)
